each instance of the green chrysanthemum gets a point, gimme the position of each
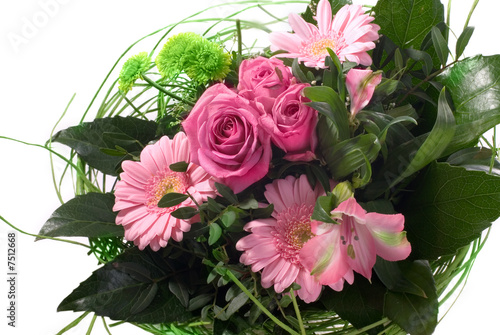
(170, 60)
(201, 59)
(132, 70)
(206, 61)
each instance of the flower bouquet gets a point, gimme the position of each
(335, 181)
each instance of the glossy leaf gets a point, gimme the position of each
(226, 193)
(475, 90)
(347, 156)
(435, 143)
(360, 303)
(440, 45)
(449, 208)
(463, 40)
(477, 159)
(337, 111)
(91, 139)
(114, 293)
(88, 215)
(417, 315)
(407, 22)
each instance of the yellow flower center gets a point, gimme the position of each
(163, 183)
(293, 230)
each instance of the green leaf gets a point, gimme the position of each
(180, 290)
(360, 303)
(89, 215)
(415, 314)
(476, 159)
(335, 109)
(179, 167)
(449, 208)
(214, 233)
(226, 193)
(475, 90)
(228, 218)
(440, 45)
(263, 213)
(407, 22)
(435, 143)
(111, 292)
(463, 40)
(184, 213)
(91, 139)
(349, 155)
(172, 199)
(323, 207)
(394, 278)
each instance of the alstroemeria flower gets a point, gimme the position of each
(361, 84)
(354, 243)
(349, 35)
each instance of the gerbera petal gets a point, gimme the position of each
(303, 29)
(324, 17)
(144, 183)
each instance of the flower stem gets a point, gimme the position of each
(257, 302)
(297, 312)
(170, 94)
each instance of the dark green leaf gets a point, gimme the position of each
(179, 288)
(324, 205)
(475, 89)
(347, 156)
(111, 292)
(89, 215)
(440, 45)
(336, 112)
(360, 303)
(200, 301)
(184, 213)
(449, 208)
(434, 144)
(172, 199)
(463, 40)
(393, 277)
(179, 167)
(236, 303)
(145, 298)
(226, 193)
(415, 314)
(421, 56)
(407, 22)
(263, 213)
(91, 139)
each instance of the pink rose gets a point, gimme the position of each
(226, 140)
(263, 78)
(361, 84)
(292, 124)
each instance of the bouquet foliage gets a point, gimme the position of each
(335, 181)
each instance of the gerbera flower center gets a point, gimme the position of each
(293, 230)
(317, 46)
(163, 183)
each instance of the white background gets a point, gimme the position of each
(52, 49)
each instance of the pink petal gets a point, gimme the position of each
(324, 16)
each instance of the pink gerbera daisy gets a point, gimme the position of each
(274, 244)
(349, 34)
(144, 183)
